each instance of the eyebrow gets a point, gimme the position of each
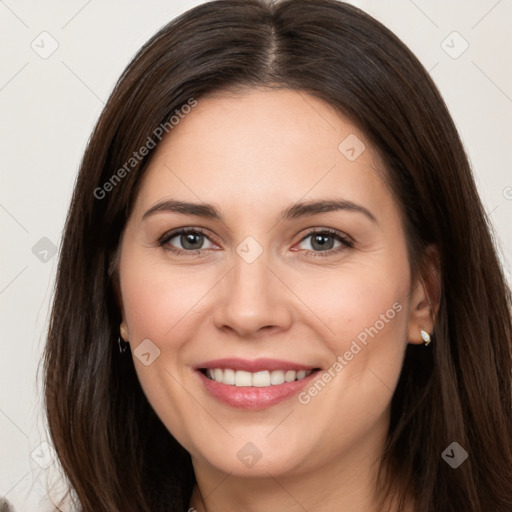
(295, 211)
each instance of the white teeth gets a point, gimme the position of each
(277, 377)
(241, 378)
(258, 379)
(229, 377)
(289, 376)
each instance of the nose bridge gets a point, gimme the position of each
(252, 296)
(251, 274)
(251, 259)
(251, 279)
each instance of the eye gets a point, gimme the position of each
(191, 241)
(323, 242)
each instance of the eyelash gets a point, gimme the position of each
(345, 241)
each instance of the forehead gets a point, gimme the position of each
(265, 147)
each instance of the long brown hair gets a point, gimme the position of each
(115, 452)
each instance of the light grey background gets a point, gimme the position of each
(50, 102)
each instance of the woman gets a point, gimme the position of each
(277, 289)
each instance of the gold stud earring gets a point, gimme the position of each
(124, 332)
(122, 342)
(425, 336)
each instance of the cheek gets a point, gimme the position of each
(159, 298)
(362, 313)
(161, 304)
(360, 302)
(364, 325)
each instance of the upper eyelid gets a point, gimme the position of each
(342, 237)
(329, 231)
(180, 231)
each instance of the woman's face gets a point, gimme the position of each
(267, 282)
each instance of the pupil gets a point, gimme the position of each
(188, 239)
(321, 240)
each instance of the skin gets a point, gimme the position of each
(253, 154)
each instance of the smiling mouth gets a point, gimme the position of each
(241, 378)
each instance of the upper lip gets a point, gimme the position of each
(254, 365)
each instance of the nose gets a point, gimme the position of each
(253, 299)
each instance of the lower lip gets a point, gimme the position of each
(255, 398)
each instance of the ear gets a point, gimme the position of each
(425, 296)
(114, 275)
(123, 328)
